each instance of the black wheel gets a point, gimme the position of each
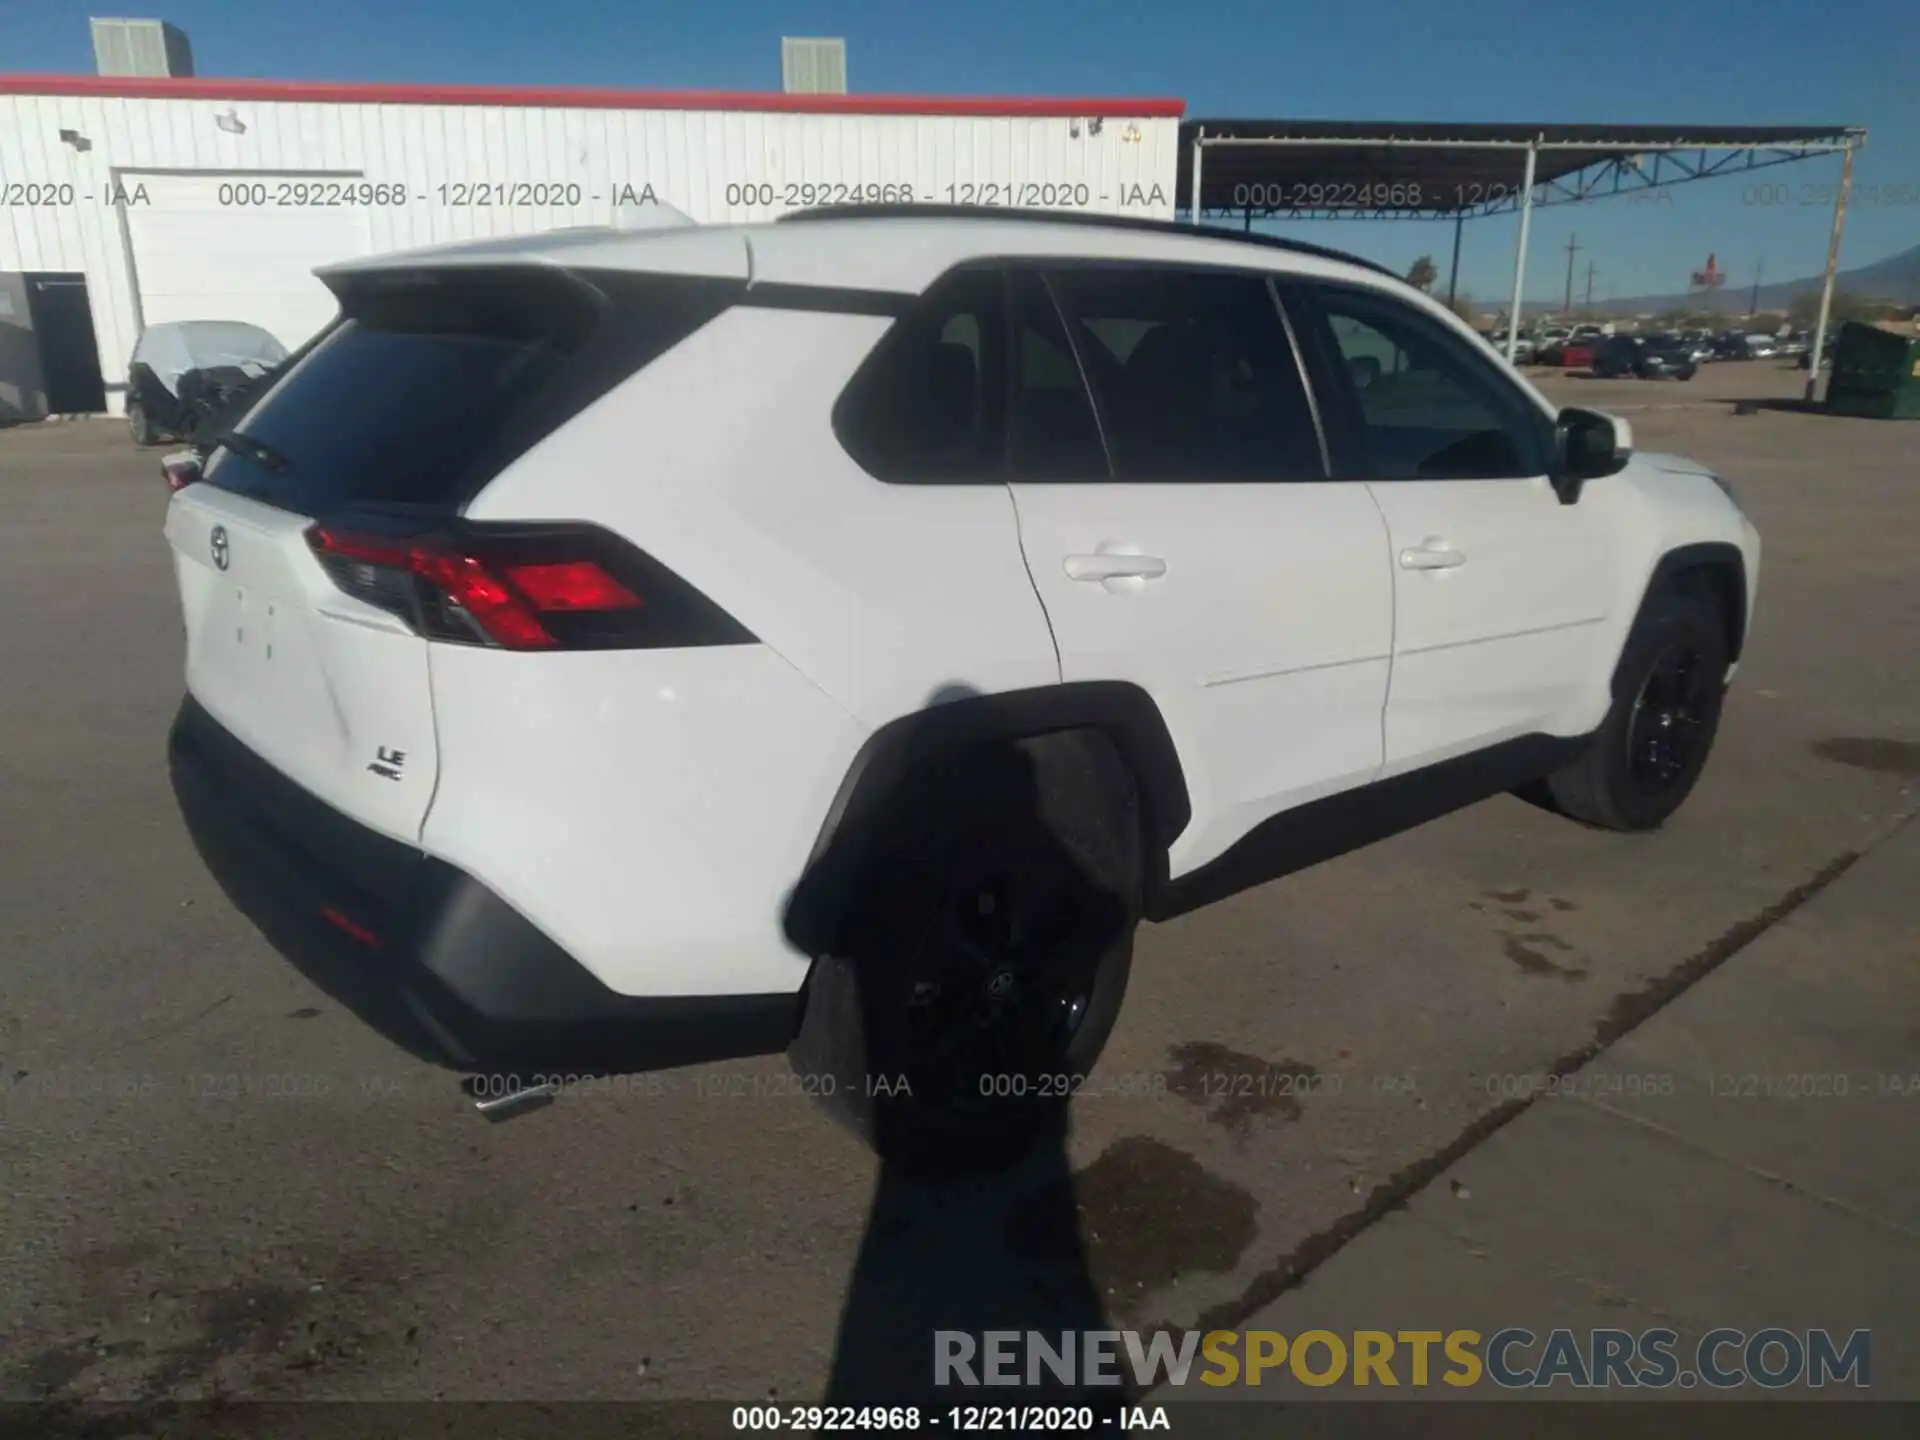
(140, 424)
(984, 975)
(1651, 748)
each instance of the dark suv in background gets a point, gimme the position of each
(1650, 357)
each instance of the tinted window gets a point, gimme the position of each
(429, 383)
(926, 407)
(1052, 434)
(1193, 374)
(1427, 405)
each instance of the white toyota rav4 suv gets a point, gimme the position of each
(609, 651)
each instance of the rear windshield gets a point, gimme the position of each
(424, 387)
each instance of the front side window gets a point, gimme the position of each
(1422, 405)
(1193, 374)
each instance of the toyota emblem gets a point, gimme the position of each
(217, 542)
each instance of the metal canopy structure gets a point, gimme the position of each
(1249, 170)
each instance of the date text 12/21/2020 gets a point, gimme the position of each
(761, 194)
(354, 193)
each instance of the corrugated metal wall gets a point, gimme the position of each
(444, 167)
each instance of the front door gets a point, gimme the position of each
(1500, 590)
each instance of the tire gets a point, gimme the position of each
(966, 1002)
(1650, 750)
(140, 424)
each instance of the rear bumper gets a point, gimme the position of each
(421, 951)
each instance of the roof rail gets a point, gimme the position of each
(1075, 217)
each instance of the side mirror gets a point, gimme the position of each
(181, 468)
(1587, 445)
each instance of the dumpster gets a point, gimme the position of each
(1876, 372)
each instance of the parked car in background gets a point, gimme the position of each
(1648, 357)
(1732, 346)
(184, 374)
(1570, 353)
(1796, 343)
(1523, 349)
(1762, 347)
(1826, 352)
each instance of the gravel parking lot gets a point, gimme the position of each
(218, 1181)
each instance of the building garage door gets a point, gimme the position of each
(199, 255)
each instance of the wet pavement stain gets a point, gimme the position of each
(1561, 905)
(1235, 1089)
(1142, 1214)
(1525, 917)
(200, 1341)
(1627, 1011)
(1520, 950)
(1888, 757)
(1510, 897)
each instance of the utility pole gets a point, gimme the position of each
(1753, 302)
(1573, 244)
(1589, 285)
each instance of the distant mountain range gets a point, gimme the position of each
(1895, 278)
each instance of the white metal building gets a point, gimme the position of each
(184, 199)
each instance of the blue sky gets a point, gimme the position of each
(1708, 61)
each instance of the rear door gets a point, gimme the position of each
(1183, 534)
(428, 385)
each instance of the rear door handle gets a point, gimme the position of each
(1114, 567)
(1432, 555)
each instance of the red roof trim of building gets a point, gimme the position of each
(562, 97)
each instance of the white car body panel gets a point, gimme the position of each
(315, 682)
(649, 810)
(883, 595)
(1506, 641)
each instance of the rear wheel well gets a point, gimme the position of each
(1090, 769)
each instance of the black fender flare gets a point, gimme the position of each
(1120, 711)
(1719, 556)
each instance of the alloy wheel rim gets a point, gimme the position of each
(1000, 983)
(1667, 729)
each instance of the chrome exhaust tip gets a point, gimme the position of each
(515, 1103)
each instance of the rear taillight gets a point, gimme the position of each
(181, 469)
(525, 588)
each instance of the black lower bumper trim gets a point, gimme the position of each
(424, 953)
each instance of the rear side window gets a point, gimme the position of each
(928, 405)
(1193, 374)
(428, 384)
(1052, 434)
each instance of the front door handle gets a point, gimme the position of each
(1432, 555)
(1114, 567)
